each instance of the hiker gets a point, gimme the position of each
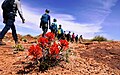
(76, 38)
(53, 27)
(81, 39)
(10, 8)
(45, 19)
(60, 32)
(73, 38)
(68, 36)
(64, 35)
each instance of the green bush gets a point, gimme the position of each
(23, 39)
(99, 38)
(18, 48)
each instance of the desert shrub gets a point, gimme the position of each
(24, 39)
(18, 48)
(99, 38)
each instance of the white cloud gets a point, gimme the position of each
(64, 17)
(99, 11)
(106, 7)
(107, 4)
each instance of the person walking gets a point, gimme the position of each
(60, 32)
(76, 38)
(10, 8)
(81, 40)
(45, 19)
(53, 27)
(73, 38)
(64, 35)
(69, 36)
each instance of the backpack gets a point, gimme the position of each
(59, 31)
(7, 5)
(54, 26)
(45, 18)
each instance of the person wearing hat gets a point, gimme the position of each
(45, 22)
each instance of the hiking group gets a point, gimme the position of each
(10, 9)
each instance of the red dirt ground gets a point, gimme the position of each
(94, 59)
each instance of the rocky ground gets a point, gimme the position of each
(91, 59)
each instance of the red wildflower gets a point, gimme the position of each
(35, 51)
(54, 49)
(50, 36)
(64, 44)
(43, 41)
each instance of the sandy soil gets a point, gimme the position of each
(94, 59)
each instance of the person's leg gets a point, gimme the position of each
(55, 33)
(58, 36)
(72, 40)
(76, 40)
(52, 30)
(14, 34)
(45, 29)
(5, 29)
(67, 39)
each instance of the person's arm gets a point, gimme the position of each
(56, 28)
(49, 22)
(41, 21)
(20, 10)
(40, 24)
(62, 31)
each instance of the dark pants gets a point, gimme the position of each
(60, 36)
(44, 28)
(9, 24)
(76, 40)
(72, 40)
(54, 31)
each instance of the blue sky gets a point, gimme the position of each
(86, 17)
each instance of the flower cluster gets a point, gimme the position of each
(48, 44)
(54, 49)
(35, 51)
(43, 41)
(50, 36)
(64, 44)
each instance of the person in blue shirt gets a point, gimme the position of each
(60, 32)
(53, 27)
(45, 21)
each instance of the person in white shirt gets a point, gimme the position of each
(9, 19)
